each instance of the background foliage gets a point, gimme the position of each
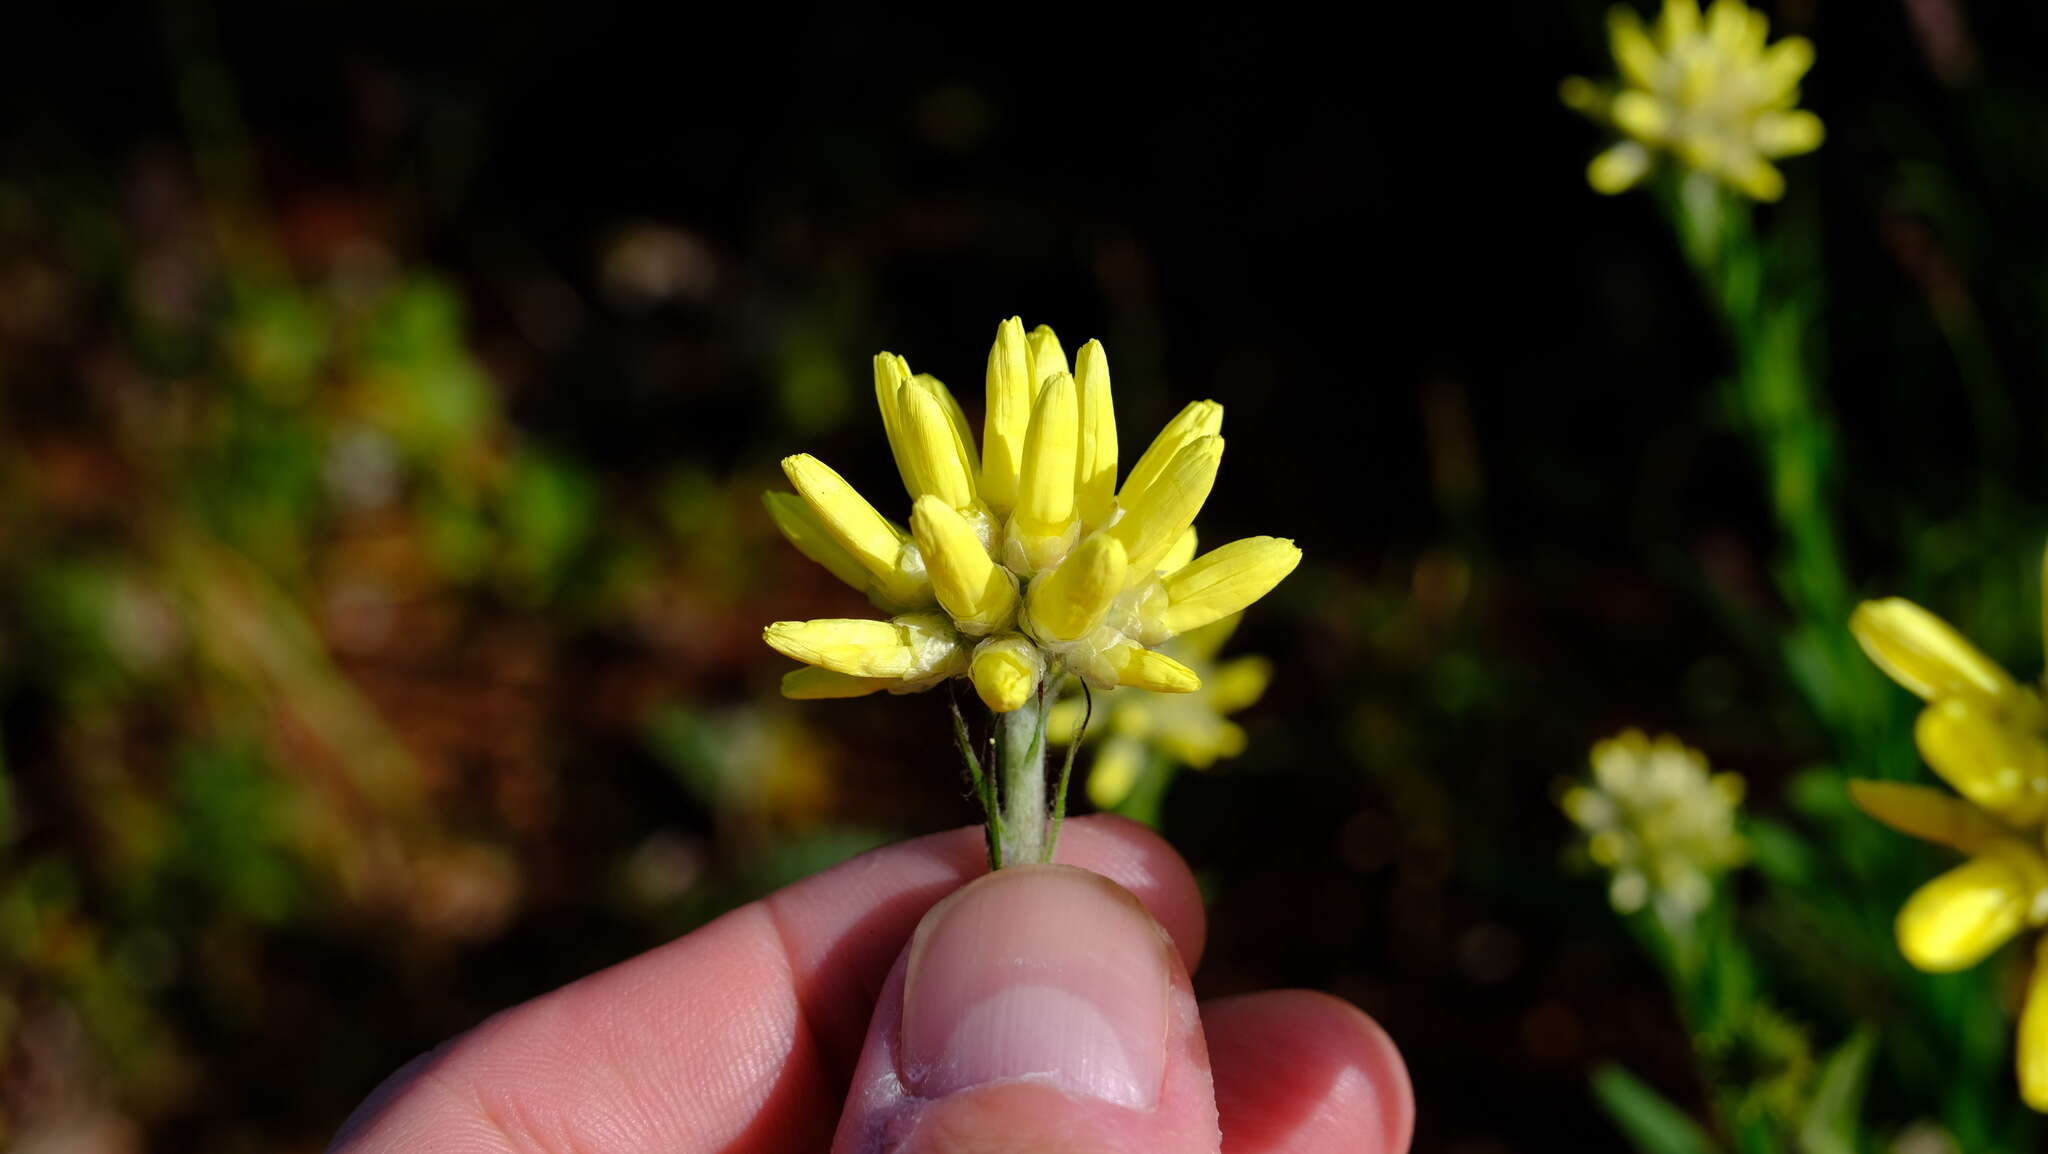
(385, 398)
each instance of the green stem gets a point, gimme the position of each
(1020, 763)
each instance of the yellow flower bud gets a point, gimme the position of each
(1225, 580)
(1183, 551)
(890, 373)
(932, 451)
(1095, 460)
(1068, 602)
(1239, 684)
(810, 683)
(803, 530)
(1006, 671)
(909, 648)
(1048, 359)
(853, 523)
(1924, 653)
(1619, 168)
(1956, 920)
(1114, 771)
(980, 595)
(1199, 419)
(1008, 417)
(2033, 1038)
(1043, 527)
(1150, 669)
(1985, 757)
(1151, 524)
(1928, 814)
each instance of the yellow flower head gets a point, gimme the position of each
(1192, 729)
(1986, 735)
(1659, 823)
(1706, 90)
(1023, 558)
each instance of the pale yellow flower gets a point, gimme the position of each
(1023, 560)
(1986, 735)
(1659, 823)
(1191, 729)
(1705, 90)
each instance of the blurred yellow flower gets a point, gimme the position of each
(1024, 560)
(1707, 90)
(1986, 735)
(1191, 729)
(1659, 823)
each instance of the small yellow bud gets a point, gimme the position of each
(891, 371)
(854, 524)
(1165, 509)
(811, 683)
(1926, 813)
(1199, 419)
(909, 648)
(803, 529)
(1924, 653)
(1095, 461)
(1068, 602)
(981, 595)
(1239, 684)
(1225, 580)
(1043, 526)
(2033, 1039)
(1115, 771)
(1008, 417)
(1150, 669)
(1619, 168)
(1985, 757)
(1006, 671)
(1633, 50)
(932, 450)
(1956, 920)
(1048, 359)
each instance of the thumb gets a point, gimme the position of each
(1038, 1009)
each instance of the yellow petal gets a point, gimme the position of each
(1095, 457)
(980, 594)
(1043, 524)
(1008, 417)
(1924, 653)
(1583, 96)
(891, 371)
(1634, 54)
(1199, 419)
(1784, 65)
(1144, 668)
(1753, 176)
(1619, 169)
(1114, 771)
(1070, 601)
(1989, 760)
(2033, 1036)
(1642, 116)
(907, 648)
(1225, 580)
(1238, 684)
(932, 450)
(1183, 551)
(1679, 23)
(963, 436)
(803, 530)
(811, 683)
(1787, 133)
(1063, 720)
(1956, 920)
(1928, 814)
(1151, 524)
(854, 524)
(1048, 359)
(1006, 671)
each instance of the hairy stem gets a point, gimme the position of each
(1020, 764)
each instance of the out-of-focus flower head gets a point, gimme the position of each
(1659, 822)
(1706, 90)
(1192, 729)
(1024, 560)
(1986, 735)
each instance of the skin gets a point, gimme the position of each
(758, 1031)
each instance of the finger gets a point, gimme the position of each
(1299, 1072)
(1042, 1010)
(735, 1038)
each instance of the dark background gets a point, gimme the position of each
(1482, 398)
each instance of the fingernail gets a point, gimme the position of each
(1045, 973)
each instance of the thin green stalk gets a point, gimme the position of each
(1020, 763)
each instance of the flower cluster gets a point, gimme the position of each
(1986, 735)
(1192, 729)
(1707, 90)
(1024, 559)
(1659, 823)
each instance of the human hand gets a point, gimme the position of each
(889, 1005)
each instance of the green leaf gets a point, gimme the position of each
(1829, 1124)
(1652, 1124)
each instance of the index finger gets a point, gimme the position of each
(738, 1037)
